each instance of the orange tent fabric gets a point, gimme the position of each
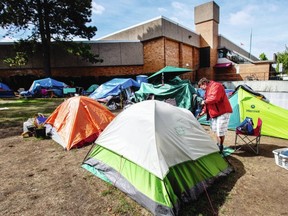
(78, 120)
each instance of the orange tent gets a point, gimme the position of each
(77, 121)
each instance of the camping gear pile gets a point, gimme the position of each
(35, 126)
(44, 88)
(115, 93)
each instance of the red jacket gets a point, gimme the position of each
(216, 100)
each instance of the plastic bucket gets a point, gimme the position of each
(40, 132)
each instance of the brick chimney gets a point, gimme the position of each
(206, 19)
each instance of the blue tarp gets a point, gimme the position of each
(4, 87)
(5, 91)
(46, 83)
(113, 87)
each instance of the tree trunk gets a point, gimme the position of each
(45, 35)
(46, 58)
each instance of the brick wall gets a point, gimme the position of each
(187, 55)
(157, 53)
(243, 72)
(153, 55)
(172, 53)
(78, 72)
(163, 52)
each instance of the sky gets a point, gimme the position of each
(255, 25)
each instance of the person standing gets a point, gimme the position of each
(217, 107)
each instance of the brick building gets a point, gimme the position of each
(150, 46)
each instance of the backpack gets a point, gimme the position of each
(246, 127)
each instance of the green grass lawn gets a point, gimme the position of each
(19, 110)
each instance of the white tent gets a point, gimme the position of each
(166, 136)
(158, 154)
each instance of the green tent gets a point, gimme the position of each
(91, 89)
(247, 103)
(167, 73)
(157, 154)
(180, 91)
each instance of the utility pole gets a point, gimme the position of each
(250, 44)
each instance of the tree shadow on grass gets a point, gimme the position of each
(210, 201)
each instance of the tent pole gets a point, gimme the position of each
(88, 152)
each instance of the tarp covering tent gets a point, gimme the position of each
(77, 121)
(4, 87)
(181, 91)
(247, 103)
(113, 87)
(158, 154)
(5, 91)
(46, 83)
(167, 73)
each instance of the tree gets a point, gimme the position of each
(263, 57)
(48, 21)
(282, 58)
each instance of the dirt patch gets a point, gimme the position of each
(39, 178)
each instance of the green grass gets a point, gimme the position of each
(19, 110)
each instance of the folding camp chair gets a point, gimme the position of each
(251, 140)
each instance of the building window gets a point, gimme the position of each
(232, 56)
(204, 57)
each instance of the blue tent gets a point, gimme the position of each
(4, 87)
(46, 83)
(113, 88)
(5, 91)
